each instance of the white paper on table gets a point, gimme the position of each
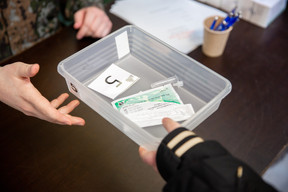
(179, 23)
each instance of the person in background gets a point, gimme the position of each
(188, 163)
(24, 24)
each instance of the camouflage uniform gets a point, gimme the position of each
(24, 23)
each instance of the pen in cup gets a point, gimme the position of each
(214, 22)
(214, 42)
(234, 20)
(221, 26)
(228, 21)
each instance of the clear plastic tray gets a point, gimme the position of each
(152, 60)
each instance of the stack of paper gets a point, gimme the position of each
(179, 23)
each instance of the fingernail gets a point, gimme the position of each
(78, 36)
(81, 123)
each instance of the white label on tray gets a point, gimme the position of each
(113, 81)
(122, 44)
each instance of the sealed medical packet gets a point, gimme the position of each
(150, 118)
(164, 95)
(149, 107)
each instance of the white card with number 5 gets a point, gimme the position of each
(113, 81)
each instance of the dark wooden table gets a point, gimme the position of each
(251, 121)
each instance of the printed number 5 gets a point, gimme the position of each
(111, 82)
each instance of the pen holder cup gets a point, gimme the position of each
(214, 42)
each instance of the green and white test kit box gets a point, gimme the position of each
(150, 60)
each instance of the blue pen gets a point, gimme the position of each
(221, 26)
(231, 18)
(234, 20)
(226, 20)
(213, 23)
(224, 26)
(233, 11)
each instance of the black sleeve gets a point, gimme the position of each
(188, 163)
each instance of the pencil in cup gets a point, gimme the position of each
(214, 42)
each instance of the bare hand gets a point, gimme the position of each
(92, 21)
(17, 91)
(149, 157)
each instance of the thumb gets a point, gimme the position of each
(26, 70)
(148, 157)
(169, 124)
(78, 18)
